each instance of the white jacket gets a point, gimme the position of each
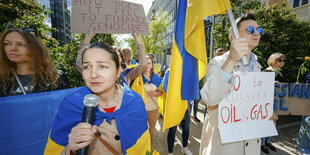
(212, 92)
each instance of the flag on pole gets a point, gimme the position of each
(189, 58)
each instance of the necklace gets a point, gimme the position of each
(20, 84)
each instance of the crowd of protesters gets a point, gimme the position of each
(111, 74)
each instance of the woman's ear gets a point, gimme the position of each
(231, 37)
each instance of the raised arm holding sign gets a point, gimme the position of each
(220, 80)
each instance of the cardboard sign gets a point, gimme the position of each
(245, 110)
(108, 16)
(292, 98)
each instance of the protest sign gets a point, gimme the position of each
(292, 98)
(108, 16)
(245, 110)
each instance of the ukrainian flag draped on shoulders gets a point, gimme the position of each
(136, 84)
(156, 80)
(131, 120)
(26, 121)
(189, 58)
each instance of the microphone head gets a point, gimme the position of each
(90, 100)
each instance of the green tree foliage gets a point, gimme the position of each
(14, 10)
(155, 42)
(25, 14)
(283, 32)
(117, 40)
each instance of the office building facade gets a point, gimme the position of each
(171, 7)
(59, 19)
(302, 7)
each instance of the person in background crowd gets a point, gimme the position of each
(120, 120)
(152, 56)
(195, 109)
(25, 65)
(184, 124)
(120, 57)
(220, 51)
(219, 80)
(127, 53)
(151, 81)
(275, 62)
(163, 70)
(303, 142)
(196, 102)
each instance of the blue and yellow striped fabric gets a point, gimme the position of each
(131, 120)
(136, 84)
(156, 80)
(27, 119)
(188, 60)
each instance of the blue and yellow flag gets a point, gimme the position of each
(27, 119)
(131, 120)
(189, 58)
(136, 84)
(161, 100)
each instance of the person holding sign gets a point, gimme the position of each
(219, 80)
(185, 124)
(25, 64)
(128, 75)
(127, 53)
(120, 119)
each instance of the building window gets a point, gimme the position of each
(297, 3)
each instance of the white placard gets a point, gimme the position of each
(245, 110)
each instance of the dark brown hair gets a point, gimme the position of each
(122, 63)
(107, 48)
(39, 61)
(247, 16)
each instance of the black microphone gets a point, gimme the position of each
(90, 102)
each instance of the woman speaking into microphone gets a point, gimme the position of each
(120, 120)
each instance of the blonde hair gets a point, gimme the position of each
(39, 61)
(272, 60)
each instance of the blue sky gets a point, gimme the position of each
(146, 4)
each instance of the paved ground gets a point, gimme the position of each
(285, 142)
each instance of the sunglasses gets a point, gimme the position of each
(280, 60)
(251, 30)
